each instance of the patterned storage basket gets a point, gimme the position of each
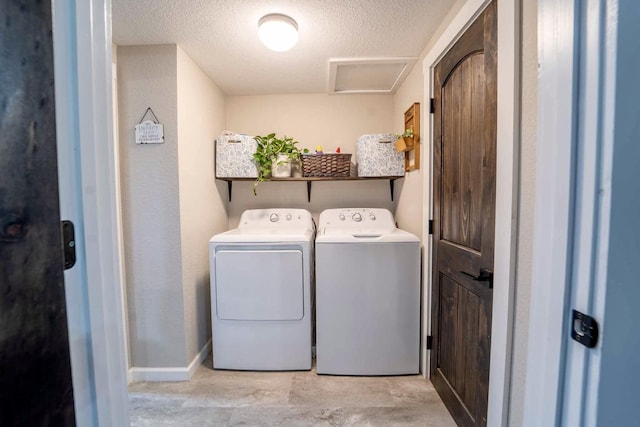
(329, 164)
(377, 156)
(234, 156)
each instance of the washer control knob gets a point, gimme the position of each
(274, 217)
(372, 217)
(288, 217)
(341, 217)
(356, 217)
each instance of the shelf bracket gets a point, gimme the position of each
(229, 188)
(391, 185)
(308, 191)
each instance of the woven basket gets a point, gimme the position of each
(330, 164)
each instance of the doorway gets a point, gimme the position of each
(108, 252)
(506, 206)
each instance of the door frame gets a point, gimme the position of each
(588, 87)
(87, 163)
(507, 173)
(100, 202)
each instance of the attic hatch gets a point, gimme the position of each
(368, 75)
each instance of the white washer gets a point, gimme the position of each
(367, 294)
(261, 276)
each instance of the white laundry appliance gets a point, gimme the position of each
(261, 290)
(367, 294)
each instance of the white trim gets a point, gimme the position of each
(99, 205)
(119, 226)
(427, 213)
(463, 20)
(579, 58)
(83, 88)
(584, 262)
(171, 374)
(70, 192)
(553, 210)
(408, 62)
(506, 187)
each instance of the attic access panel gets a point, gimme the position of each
(368, 75)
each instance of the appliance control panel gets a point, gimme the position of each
(282, 219)
(357, 218)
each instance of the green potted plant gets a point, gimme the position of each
(273, 156)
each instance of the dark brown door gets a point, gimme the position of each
(464, 216)
(35, 369)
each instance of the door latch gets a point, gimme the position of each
(68, 244)
(485, 275)
(584, 329)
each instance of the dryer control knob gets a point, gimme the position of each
(288, 217)
(341, 217)
(372, 217)
(356, 217)
(274, 217)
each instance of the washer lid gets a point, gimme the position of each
(364, 235)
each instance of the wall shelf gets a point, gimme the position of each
(412, 121)
(311, 179)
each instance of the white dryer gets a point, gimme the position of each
(367, 294)
(261, 275)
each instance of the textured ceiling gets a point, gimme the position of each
(220, 36)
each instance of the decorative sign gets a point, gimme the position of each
(149, 131)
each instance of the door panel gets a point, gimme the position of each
(462, 106)
(464, 216)
(35, 367)
(459, 332)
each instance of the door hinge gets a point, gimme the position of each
(432, 106)
(584, 329)
(68, 244)
(429, 342)
(430, 226)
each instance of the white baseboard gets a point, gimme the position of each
(170, 374)
(197, 361)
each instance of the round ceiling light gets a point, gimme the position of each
(278, 32)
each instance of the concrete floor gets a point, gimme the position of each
(234, 398)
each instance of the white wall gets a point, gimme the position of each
(409, 210)
(151, 211)
(312, 119)
(410, 202)
(171, 203)
(201, 117)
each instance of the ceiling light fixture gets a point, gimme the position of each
(278, 32)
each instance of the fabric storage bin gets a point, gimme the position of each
(234, 156)
(377, 156)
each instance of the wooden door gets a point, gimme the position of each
(35, 367)
(464, 216)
